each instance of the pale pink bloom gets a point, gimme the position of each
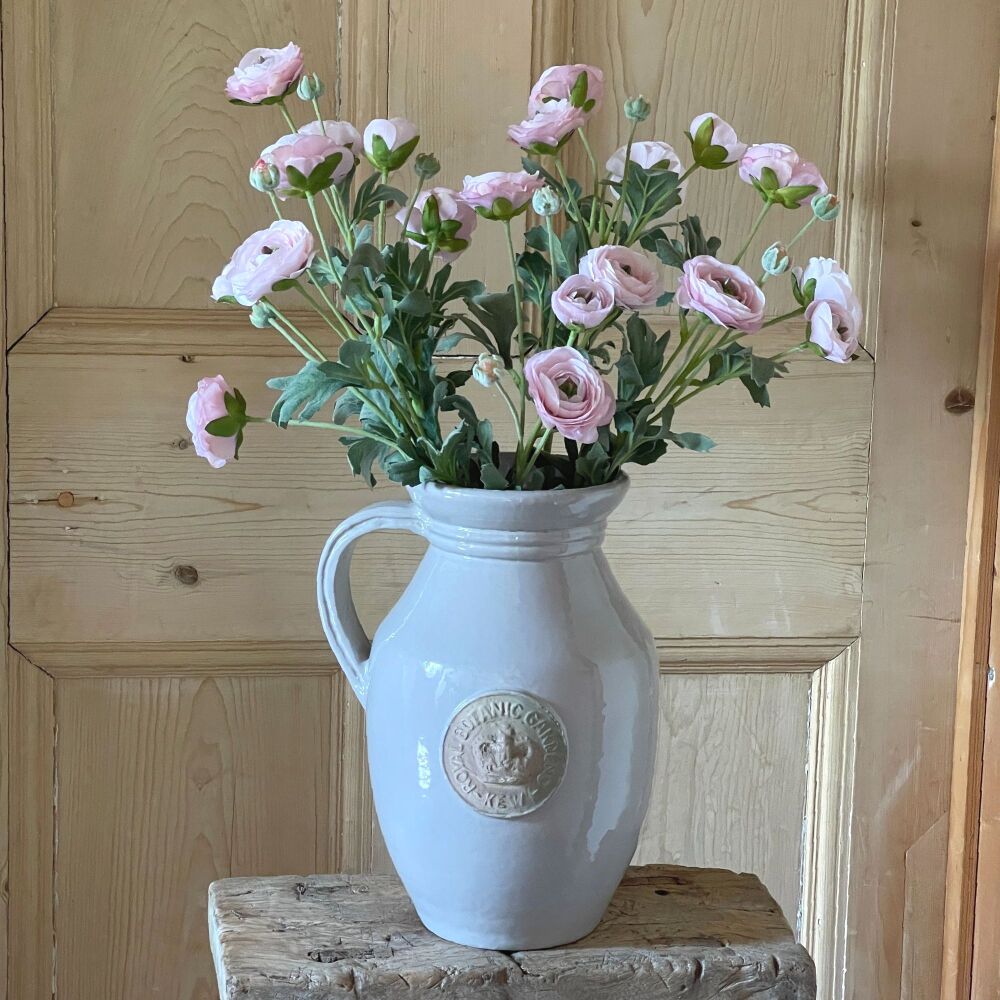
(582, 301)
(723, 134)
(451, 205)
(516, 187)
(789, 168)
(394, 132)
(283, 250)
(264, 73)
(632, 276)
(724, 293)
(569, 393)
(556, 83)
(342, 133)
(305, 152)
(547, 127)
(649, 155)
(207, 403)
(487, 369)
(834, 315)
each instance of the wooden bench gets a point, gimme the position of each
(669, 932)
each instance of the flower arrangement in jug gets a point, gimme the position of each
(570, 346)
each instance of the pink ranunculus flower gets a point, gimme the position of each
(569, 393)
(724, 293)
(451, 206)
(723, 134)
(264, 73)
(400, 136)
(283, 250)
(483, 192)
(650, 155)
(305, 152)
(342, 133)
(548, 127)
(631, 274)
(789, 168)
(556, 84)
(583, 301)
(207, 403)
(835, 314)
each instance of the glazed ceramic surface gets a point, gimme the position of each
(511, 701)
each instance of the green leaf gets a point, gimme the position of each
(792, 197)
(758, 393)
(416, 303)
(224, 427)
(362, 453)
(692, 441)
(306, 392)
(371, 194)
(578, 94)
(671, 252)
(649, 193)
(230, 300)
(593, 467)
(535, 275)
(646, 348)
(496, 312)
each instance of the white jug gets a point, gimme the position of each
(511, 699)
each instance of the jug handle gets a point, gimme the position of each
(344, 632)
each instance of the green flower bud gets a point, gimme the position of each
(637, 109)
(775, 259)
(260, 315)
(826, 207)
(426, 165)
(546, 201)
(264, 177)
(310, 87)
(486, 371)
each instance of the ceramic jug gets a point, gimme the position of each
(511, 699)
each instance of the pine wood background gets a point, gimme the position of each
(172, 712)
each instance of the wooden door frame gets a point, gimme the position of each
(974, 789)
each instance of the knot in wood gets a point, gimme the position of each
(960, 400)
(187, 575)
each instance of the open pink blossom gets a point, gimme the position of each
(569, 393)
(305, 152)
(557, 82)
(723, 134)
(451, 207)
(724, 293)
(789, 168)
(283, 250)
(583, 301)
(546, 129)
(631, 274)
(342, 133)
(207, 403)
(264, 73)
(651, 155)
(835, 314)
(499, 194)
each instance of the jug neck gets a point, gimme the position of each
(529, 526)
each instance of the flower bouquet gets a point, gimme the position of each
(570, 344)
(510, 777)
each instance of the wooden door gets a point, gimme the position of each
(172, 712)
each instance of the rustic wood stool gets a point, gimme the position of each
(669, 932)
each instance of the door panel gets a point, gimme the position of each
(173, 712)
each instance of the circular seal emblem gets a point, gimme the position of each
(505, 753)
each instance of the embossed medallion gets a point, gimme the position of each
(505, 753)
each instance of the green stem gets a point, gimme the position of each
(319, 116)
(288, 117)
(347, 429)
(339, 217)
(511, 407)
(784, 316)
(274, 202)
(381, 214)
(571, 202)
(284, 319)
(518, 313)
(620, 204)
(595, 200)
(319, 309)
(550, 233)
(308, 355)
(411, 203)
(534, 455)
(319, 231)
(753, 232)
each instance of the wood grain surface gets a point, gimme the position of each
(669, 932)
